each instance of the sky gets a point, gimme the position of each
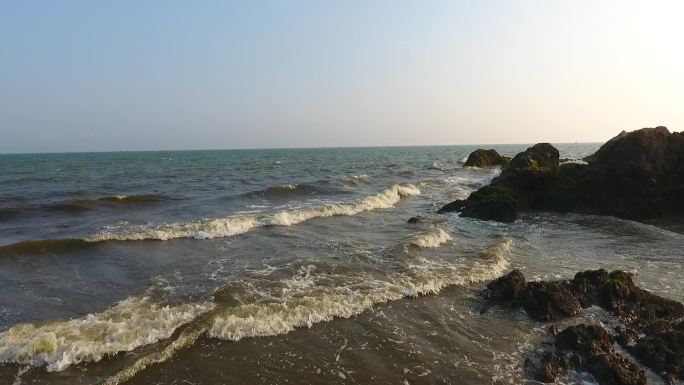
(148, 75)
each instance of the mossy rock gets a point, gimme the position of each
(539, 156)
(491, 204)
(486, 158)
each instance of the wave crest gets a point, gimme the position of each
(234, 225)
(133, 322)
(432, 239)
(310, 303)
(306, 298)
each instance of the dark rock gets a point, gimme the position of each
(636, 175)
(455, 206)
(584, 339)
(486, 158)
(649, 328)
(587, 284)
(633, 304)
(540, 156)
(416, 219)
(548, 301)
(551, 365)
(507, 289)
(517, 187)
(617, 293)
(491, 204)
(662, 350)
(543, 301)
(645, 150)
(593, 351)
(626, 336)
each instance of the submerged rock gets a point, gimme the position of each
(636, 175)
(416, 219)
(486, 158)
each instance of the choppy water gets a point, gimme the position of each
(280, 266)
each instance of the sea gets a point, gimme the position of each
(284, 266)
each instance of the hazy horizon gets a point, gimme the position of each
(124, 76)
(290, 148)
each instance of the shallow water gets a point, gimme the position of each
(281, 266)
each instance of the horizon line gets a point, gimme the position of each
(280, 148)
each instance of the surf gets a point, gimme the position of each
(239, 224)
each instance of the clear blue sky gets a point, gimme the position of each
(134, 75)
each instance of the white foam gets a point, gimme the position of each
(133, 322)
(304, 299)
(306, 302)
(187, 337)
(432, 239)
(355, 178)
(234, 225)
(574, 161)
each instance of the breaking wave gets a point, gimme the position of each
(308, 297)
(310, 300)
(132, 323)
(356, 179)
(234, 225)
(432, 239)
(446, 164)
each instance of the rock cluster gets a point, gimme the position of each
(636, 175)
(648, 325)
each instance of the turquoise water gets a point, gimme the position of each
(279, 266)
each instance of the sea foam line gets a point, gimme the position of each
(234, 225)
(138, 321)
(313, 303)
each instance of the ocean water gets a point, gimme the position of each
(282, 267)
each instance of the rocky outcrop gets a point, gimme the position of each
(649, 326)
(486, 158)
(636, 175)
(614, 291)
